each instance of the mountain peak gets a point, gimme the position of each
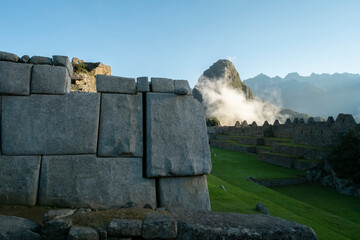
(293, 75)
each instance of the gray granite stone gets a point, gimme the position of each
(16, 228)
(184, 192)
(124, 228)
(182, 87)
(177, 141)
(50, 124)
(142, 84)
(164, 85)
(48, 79)
(159, 226)
(15, 78)
(88, 181)
(65, 62)
(19, 177)
(112, 84)
(121, 125)
(56, 228)
(41, 60)
(5, 56)
(82, 233)
(25, 59)
(56, 214)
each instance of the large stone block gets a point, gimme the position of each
(41, 60)
(121, 125)
(19, 177)
(164, 85)
(88, 181)
(15, 78)
(184, 192)
(177, 141)
(50, 124)
(65, 62)
(113, 84)
(49, 79)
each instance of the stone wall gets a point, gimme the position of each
(130, 142)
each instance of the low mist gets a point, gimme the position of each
(230, 105)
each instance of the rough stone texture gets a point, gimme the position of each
(15, 228)
(25, 59)
(65, 62)
(184, 192)
(41, 60)
(50, 124)
(49, 79)
(121, 125)
(56, 227)
(163, 85)
(142, 84)
(215, 225)
(182, 87)
(177, 141)
(15, 78)
(125, 227)
(112, 84)
(262, 208)
(159, 226)
(5, 56)
(82, 233)
(88, 181)
(56, 214)
(19, 177)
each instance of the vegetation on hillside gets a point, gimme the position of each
(212, 122)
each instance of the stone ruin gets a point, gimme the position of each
(313, 133)
(129, 142)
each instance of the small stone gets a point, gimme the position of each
(142, 84)
(129, 205)
(163, 85)
(83, 210)
(159, 226)
(57, 227)
(5, 56)
(56, 214)
(65, 62)
(148, 206)
(182, 87)
(82, 233)
(41, 60)
(112, 84)
(223, 188)
(25, 59)
(124, 227)
(262, 208)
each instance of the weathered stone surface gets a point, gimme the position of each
(177, 141)
(159, 226)
(56, 214)
(65, 62)
(50, 124)
(142, 84)
(124, 227)
(184, 192)
(56, 227)
(215, 225)
(15, 78)
(112, 84)
(88, 181)
(41, 60)
(49, 79)
(25, 59)
(15, 228)
(262, 208)
(182, 87)
(19, 177)
(121, 125)
(82, 233)
(5, 56)
(164, 85)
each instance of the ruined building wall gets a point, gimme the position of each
(126, 143)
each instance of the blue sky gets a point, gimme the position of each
(181, 39)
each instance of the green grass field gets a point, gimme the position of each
(331, 215)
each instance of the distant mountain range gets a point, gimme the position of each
(318, 94)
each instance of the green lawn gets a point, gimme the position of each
(230, 169)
